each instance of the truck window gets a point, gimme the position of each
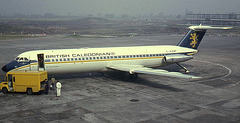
(14, 79)
(9, 77)
(5, 79)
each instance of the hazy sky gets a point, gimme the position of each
(117, 7)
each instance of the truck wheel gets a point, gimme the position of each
(4, 90)
(29, 91)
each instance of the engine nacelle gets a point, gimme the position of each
(175, 58)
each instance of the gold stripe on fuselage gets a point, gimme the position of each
(62, 62)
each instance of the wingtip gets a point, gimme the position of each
(195, 77)
(227, 27)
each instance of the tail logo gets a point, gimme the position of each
(194, 38)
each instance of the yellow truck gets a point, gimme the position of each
(24, 81)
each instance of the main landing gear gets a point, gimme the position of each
(133, 76)
(186, 70)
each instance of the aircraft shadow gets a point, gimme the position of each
(76, 76)
(121, 76)
(145, 82)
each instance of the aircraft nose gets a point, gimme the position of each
(4, 68)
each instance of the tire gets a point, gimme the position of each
(29, 91)
(4, 90)
(133, 76)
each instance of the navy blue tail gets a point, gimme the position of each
(192, 39)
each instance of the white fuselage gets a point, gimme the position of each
(96, 59)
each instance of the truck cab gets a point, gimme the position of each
(24, 81)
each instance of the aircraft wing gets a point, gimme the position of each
(141, 69)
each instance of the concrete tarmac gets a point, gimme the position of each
(98, 98)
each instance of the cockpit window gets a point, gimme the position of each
(17, 59)
(21, 59)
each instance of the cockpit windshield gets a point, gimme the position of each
(21, 59)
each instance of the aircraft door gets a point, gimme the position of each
(41, 64)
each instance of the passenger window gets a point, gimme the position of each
(75, 59)
(72, 59)
(47, 60)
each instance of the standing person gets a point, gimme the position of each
(59, 86)
(53, 83)
(46, 86)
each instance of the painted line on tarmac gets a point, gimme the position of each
(223, 66)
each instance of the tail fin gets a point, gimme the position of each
(194, 37)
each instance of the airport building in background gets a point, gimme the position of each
(232, 19)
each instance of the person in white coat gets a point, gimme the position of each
(59, 86)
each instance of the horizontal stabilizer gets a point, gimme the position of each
(195, 35)
(200, 27)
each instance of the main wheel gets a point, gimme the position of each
(4, 90)
(134, 76)
(29, 91)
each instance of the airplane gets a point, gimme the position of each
(133, 60)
